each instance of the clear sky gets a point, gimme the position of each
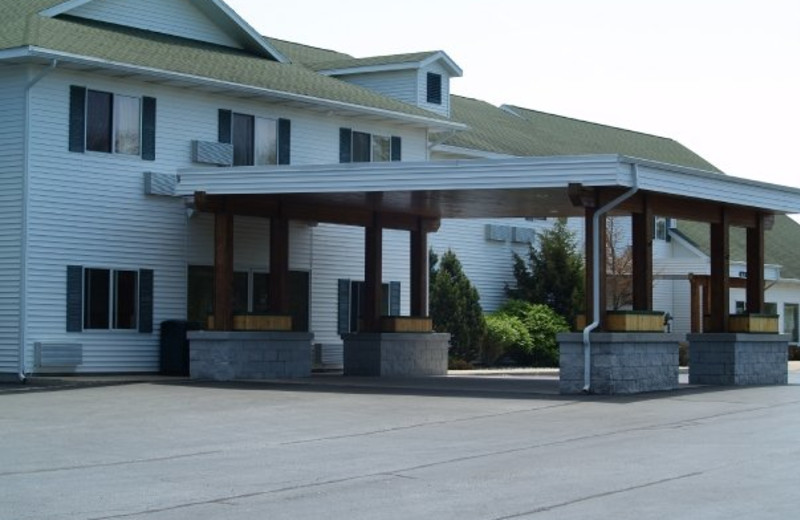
(721, 77)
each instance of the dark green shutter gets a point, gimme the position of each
(394, 299)
(77, 119)
(343, 317)
(225, 121)
(149, 128)
(345, 145)
(74, 298)
(146, 300)
(284, 141)
(397, 148)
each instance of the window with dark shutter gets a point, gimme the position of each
(394, 299)
(243, 139)
(98, 121)
(343, 307)
(434, 88)
(345, 145)
(77, 119)
(397, 148)
(362, 147)
(74, 298)
(224, 131)
(284, 141)
(146, 301)
(148, 128)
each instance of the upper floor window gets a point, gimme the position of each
(434, 88)
(257, 141)
(111, 123)
(357, 146)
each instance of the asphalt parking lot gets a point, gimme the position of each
(466, 447)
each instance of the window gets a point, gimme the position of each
(110, 299)
(111, 123)
(351, 303)
(790, 321)
(661, 228)
(769, 307)
(257, 141)
(434, 88)
(355, 146)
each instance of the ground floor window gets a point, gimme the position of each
(352, 303)
(250, 295)
(790, 321)
(109, 299)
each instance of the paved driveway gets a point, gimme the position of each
(461, 448)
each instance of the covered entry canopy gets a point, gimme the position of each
(414, 196)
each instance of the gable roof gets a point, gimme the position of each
(301, 54)
(25, 34)
(414, 60)
(523, 132)
(215, 10)
(780, 243)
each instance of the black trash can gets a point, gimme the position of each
(175, 347)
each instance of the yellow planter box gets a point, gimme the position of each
(753, 323)
(634, 321)
(258, 322)
(406, 324)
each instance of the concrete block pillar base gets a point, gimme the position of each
(395, 354)
(733, 359)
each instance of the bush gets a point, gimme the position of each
(542, 324)
(505, 335)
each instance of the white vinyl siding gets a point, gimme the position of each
(90, 210)
(176, 17)
(12, 91)
(400, 85)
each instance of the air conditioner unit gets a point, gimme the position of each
(55, 356)
(209, 152)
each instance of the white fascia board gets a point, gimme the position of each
(454, 70)
(15, 53)
(471, 152)
(472, 174)
(63, 8)
(35, 52)
(251, 33)
(701, 184)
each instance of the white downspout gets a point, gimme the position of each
(587, 344)
(23, 281)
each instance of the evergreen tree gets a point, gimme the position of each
(553, 274)
(455, 307)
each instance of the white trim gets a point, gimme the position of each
(63, 8)
(453, 69)
(472, 152)
(529, 173)
(678, 236)
(37, 52)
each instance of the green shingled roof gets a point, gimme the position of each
(373, 61)
(520, 131)
(23, 27)
(305, 54)
(780, 243)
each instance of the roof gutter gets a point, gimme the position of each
(38, 52)
(26, 196)
(587, 344)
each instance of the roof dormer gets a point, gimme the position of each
(421, 79)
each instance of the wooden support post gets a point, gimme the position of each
(696, 312)
(602, 271)
(373, 274)
(223, 270)
(755, 267)
(642, 231)
(720, 274)
(419, 270)
(279, 265)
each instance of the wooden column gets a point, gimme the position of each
(373, 274)
(590, 247)
(720, 274)
(223, 270)
(279, 265)
(755, 267)
(642, 231)
(696, 313)
(419, 270)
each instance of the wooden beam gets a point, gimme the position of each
(223, 270)
(373, 274)
(419, 271)
(720, 274)
(685, 208)
(642, 231)
(279, 265)
(755, 268)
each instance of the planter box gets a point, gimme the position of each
(753, 323)
(406, 324)
(258, 322)
(635, 321)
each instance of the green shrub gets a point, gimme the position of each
(542, 324)
(505, 335)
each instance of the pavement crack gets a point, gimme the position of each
(108, 464)
(545, 509)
